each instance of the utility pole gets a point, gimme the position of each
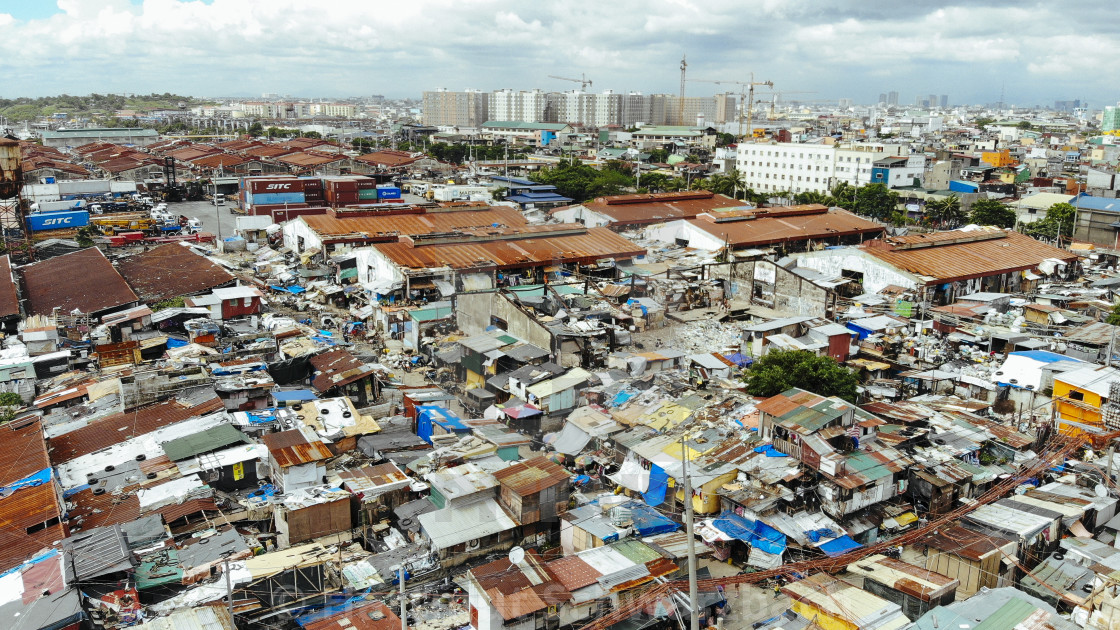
(404, 602)
(693, 598)
(680, 105)
(229, 591)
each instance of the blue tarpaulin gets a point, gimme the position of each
(38, 479)
(769, 450)
(739, 359)
(758, 534)
(581, 479)
(839, 546)
(176, 343)
(816, 535)
(648, 521)
(658, 483)
(621, 398)
(294, 395)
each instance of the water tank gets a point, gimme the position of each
(11, 172)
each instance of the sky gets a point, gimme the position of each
(971, 50)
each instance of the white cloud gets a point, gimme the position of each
(834, 47)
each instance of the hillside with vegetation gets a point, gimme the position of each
(19, 109)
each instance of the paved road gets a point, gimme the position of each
(219, 221)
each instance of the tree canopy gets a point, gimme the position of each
(581, 182)
(780, 370)
(1059, 221)
(992, 212)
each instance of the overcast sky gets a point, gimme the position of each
(857, 49)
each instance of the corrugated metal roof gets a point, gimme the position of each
(367, 616)
(291, 448)
(573, 572)
(25, 508)
(9, 300)
(452, 526)
(84, 280)
(947, 260)
(196, 618)
(337, 368)
(171, 270)
(582, 248)
(769, 230)
(122, 426)
(659, 207)
(532, 475)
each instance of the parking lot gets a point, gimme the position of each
(219, 220)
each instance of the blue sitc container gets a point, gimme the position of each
(388, 193)
(58, 220)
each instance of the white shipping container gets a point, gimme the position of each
(84, 187)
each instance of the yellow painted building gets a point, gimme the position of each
(836, 605)
(1078, 396)
(997, 159)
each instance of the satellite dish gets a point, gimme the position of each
(1101, 491)
(516, 555)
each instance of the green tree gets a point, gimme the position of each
(659, 155)
(812, 196)
(725, 139)
(1025, 125)
(945, 212)
(729, 183)
(1114, 316)
(1058, 222)
(876, 201)
(313, 134)
(10, 404)
(992, 212)
(656, 182)
(781, 370)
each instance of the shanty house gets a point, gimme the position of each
(535, 491)
(296, 459)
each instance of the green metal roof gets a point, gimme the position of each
(104, 132)
(158, 569)
(1008, 616)
(204, 442)
(636, 551)
(428, 314)
(528, 126)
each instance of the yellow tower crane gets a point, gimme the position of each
(746, 95)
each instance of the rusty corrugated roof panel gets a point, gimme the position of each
(23, 509)
(583, 248)
(118, 427)
(766, 230)
(171, 270)
(176, 511)
(946, 260)
(532, 475)
(963, 542)
(573, 572)
(659, 207)
(291, 448)
(389, 227)
(84, 280)
(9, 299)
(337, 368)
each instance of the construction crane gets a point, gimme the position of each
(746, 95)
(583, 81)
(778, 96)
(680, 103)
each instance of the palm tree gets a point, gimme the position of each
(952, 214)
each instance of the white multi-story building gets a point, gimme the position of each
(779, 167)
(334, 110)
(521, 106)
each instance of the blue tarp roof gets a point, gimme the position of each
(1097, 203)
(650, 522)
(658, 483)
(1042, 356)
(839, 546)
(769, 450)
(758, 534)
(739, 359)
(295, 289)
(443, 417)
(295, 395)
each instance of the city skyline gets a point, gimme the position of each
(975, 52)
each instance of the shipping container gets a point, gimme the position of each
(388, 192)
(286, 185)
(84, 187)
(58, 206)
(277, 197)
(368, 193)
(57, 220)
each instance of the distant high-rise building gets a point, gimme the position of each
(882, 98)
(521, 106)
(892, 98)
(933, 100)
(845, 103)
(443, 108)
(1111, 119)
(944, 100)
(1067, 106)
